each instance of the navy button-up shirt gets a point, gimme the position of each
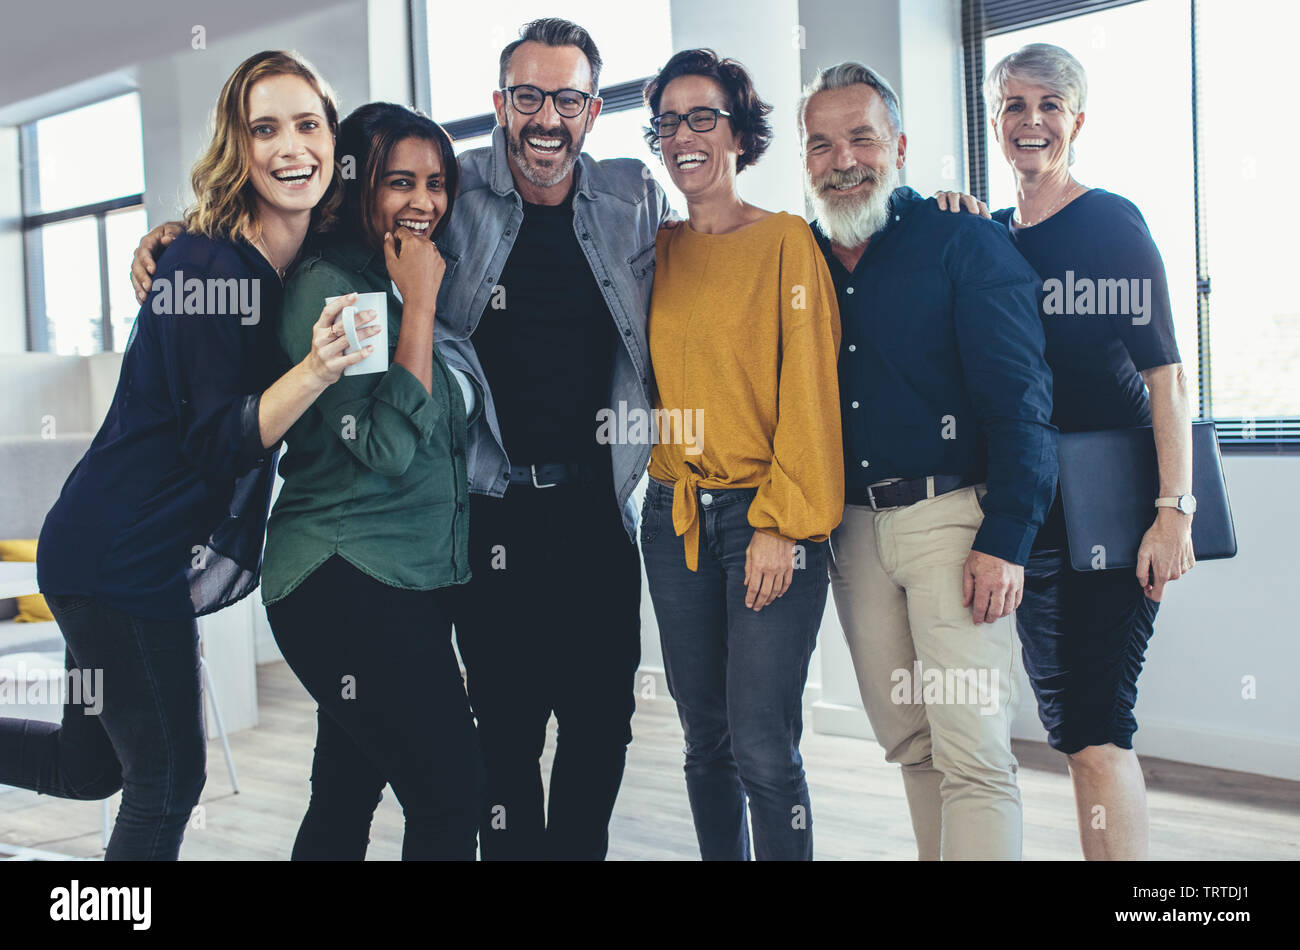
(942, 368)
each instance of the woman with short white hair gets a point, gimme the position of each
(1085, 634)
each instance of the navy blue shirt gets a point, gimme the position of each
(165, 514)
(942, 369)
(1105, 312)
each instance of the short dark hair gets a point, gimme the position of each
(748, 111)
(554, 31)
(369, 136)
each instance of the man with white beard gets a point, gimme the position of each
(950, 462)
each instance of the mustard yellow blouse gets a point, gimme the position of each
(744, 339)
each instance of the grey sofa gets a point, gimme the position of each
(34, 470)
(54, 405)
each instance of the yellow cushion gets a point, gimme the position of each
(32, 608)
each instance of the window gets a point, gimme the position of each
(459, 75)
(1244, 50)
(1207, 196)
(83, 206)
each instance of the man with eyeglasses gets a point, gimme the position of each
(550, 259)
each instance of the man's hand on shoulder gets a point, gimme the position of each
(146, 256)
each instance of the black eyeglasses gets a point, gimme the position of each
(528, 100)
(703, 119)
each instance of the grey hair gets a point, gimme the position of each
(554, 31)
(847, 74)
(1044, 65)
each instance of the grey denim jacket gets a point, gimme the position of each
(617, 209)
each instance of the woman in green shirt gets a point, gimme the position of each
(369, 534)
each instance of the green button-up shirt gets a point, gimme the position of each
(375, 471)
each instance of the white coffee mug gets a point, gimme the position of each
(377, 361)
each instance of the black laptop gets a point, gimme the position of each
(1109, 483)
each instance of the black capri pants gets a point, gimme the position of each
(1084, 636)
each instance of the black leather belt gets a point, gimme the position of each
(908, 492)
(548, 476)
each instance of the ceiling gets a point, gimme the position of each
(49, 44)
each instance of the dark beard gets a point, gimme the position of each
(544, 176)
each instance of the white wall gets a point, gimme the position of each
(763, 36)
(1226, 621)
(178, 92)
(933, 106)
(916, 46)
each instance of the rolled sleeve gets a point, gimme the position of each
(379, 418)
(407, 396)
(252, 447)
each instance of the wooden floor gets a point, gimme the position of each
(857, 797)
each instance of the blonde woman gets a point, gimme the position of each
(162, 520)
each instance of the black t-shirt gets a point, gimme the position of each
(546, 341)
(1105, 309)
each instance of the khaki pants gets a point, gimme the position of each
(938, 689)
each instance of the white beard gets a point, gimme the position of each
(850, 221)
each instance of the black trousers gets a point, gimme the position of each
(550, 624)
(133, 721)
(391, 710)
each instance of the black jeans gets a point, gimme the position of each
(391, 710)
(550, 623)
(143, 734)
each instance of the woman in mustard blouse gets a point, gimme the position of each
(746, 478)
